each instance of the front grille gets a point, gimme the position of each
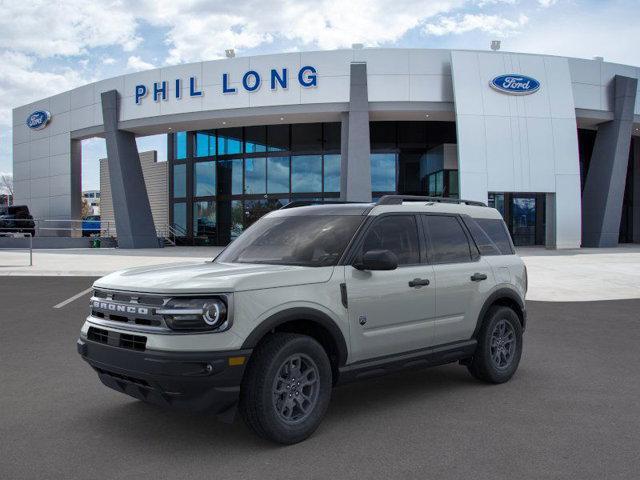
(122, 340)
(98, 335)
(129, 308)
(134, 342)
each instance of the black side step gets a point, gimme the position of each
(428, 357)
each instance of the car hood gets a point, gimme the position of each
(211, 277)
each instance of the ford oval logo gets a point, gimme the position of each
(515, 84)
(38, 119)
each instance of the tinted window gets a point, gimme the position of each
(383, 172)
(205, 144)
(278, 175)
(449, 243)
(278, 137)
(255, 139)
(306, 136)
(180, 146)
(230, 177)
(306, 173)
(397, 233)
(332, 173)
(496, 230)
(180, 180)
(229, 141)
(204, 179)
(484, 243)
(255, 175)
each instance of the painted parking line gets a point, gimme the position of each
(72, 299)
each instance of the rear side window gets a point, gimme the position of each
(496, 230)
(449, 243)
(484, 243)
(396, 233)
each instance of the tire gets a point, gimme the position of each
(496, 358)
(276, 405)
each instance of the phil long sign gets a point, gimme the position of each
(515, 84)
(250, 81)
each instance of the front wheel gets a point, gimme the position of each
(287, 388)
(499, 347)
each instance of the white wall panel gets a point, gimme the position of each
(388, 88)
(39, 148)
(328, 64)
(212, 71)
(384, 61)
(20, 133)
(429, 62)
(430, 88)
(60, 103)
(39, 167)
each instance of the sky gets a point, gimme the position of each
(47, 47)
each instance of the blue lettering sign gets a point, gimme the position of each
(157, 90)
(251, 86)
(225, 84)
(310, 80)
(515, 84)
(192, 88)
(275, 77)
(141, 92)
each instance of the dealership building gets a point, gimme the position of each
(552, 142)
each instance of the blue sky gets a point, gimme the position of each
(52, 47)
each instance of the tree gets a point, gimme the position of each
(86, 208)
(6, 183)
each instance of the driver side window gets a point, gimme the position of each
(396, 233)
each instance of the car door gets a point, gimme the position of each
(462, 277)
(391, 311)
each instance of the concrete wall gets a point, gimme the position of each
(155, 175)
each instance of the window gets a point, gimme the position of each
(255, 139)
(180, 217)
(230, 177)
(180, 180)
(229, 141)
(278, 137)
(449, 243)
(205, 144)
(180, 146)
(306, 136)
(204, 219)
(383, 172)
(332, 135)
(306, 173)
(255, 176)
(204, 179)
(396, 233)
(278, 175)
(496, 230)
(332, 173)
(484, 243)
(306, 240)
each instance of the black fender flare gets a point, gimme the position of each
(499, 295)
(300, 313)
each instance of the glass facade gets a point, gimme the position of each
(224, 180)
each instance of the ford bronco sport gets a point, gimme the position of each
(312, 296)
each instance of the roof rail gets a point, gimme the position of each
(307, 203)
(398, 199)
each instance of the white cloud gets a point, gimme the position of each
(198, 31)
(108, 61)
(136, 63)
(46, 28)
(491, 24)
(547, 3)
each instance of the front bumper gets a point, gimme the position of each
(195, 381)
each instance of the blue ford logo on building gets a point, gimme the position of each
(38, 119)
(515, 84)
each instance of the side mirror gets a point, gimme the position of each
(377, 260)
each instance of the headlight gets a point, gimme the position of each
(196, 314)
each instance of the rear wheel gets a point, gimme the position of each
(287, 388)
(499, 346)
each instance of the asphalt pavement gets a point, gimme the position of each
(571, 412)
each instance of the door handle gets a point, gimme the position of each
(477, 277)
(419, 282)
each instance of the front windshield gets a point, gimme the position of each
(311, 241)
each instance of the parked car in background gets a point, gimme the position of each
(91, 225)
(17, 219)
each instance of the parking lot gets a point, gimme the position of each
(571, 411)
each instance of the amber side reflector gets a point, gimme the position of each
(236, 361)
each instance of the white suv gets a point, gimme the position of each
(310, 296)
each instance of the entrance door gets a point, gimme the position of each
(523, 219)
(388, 312)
